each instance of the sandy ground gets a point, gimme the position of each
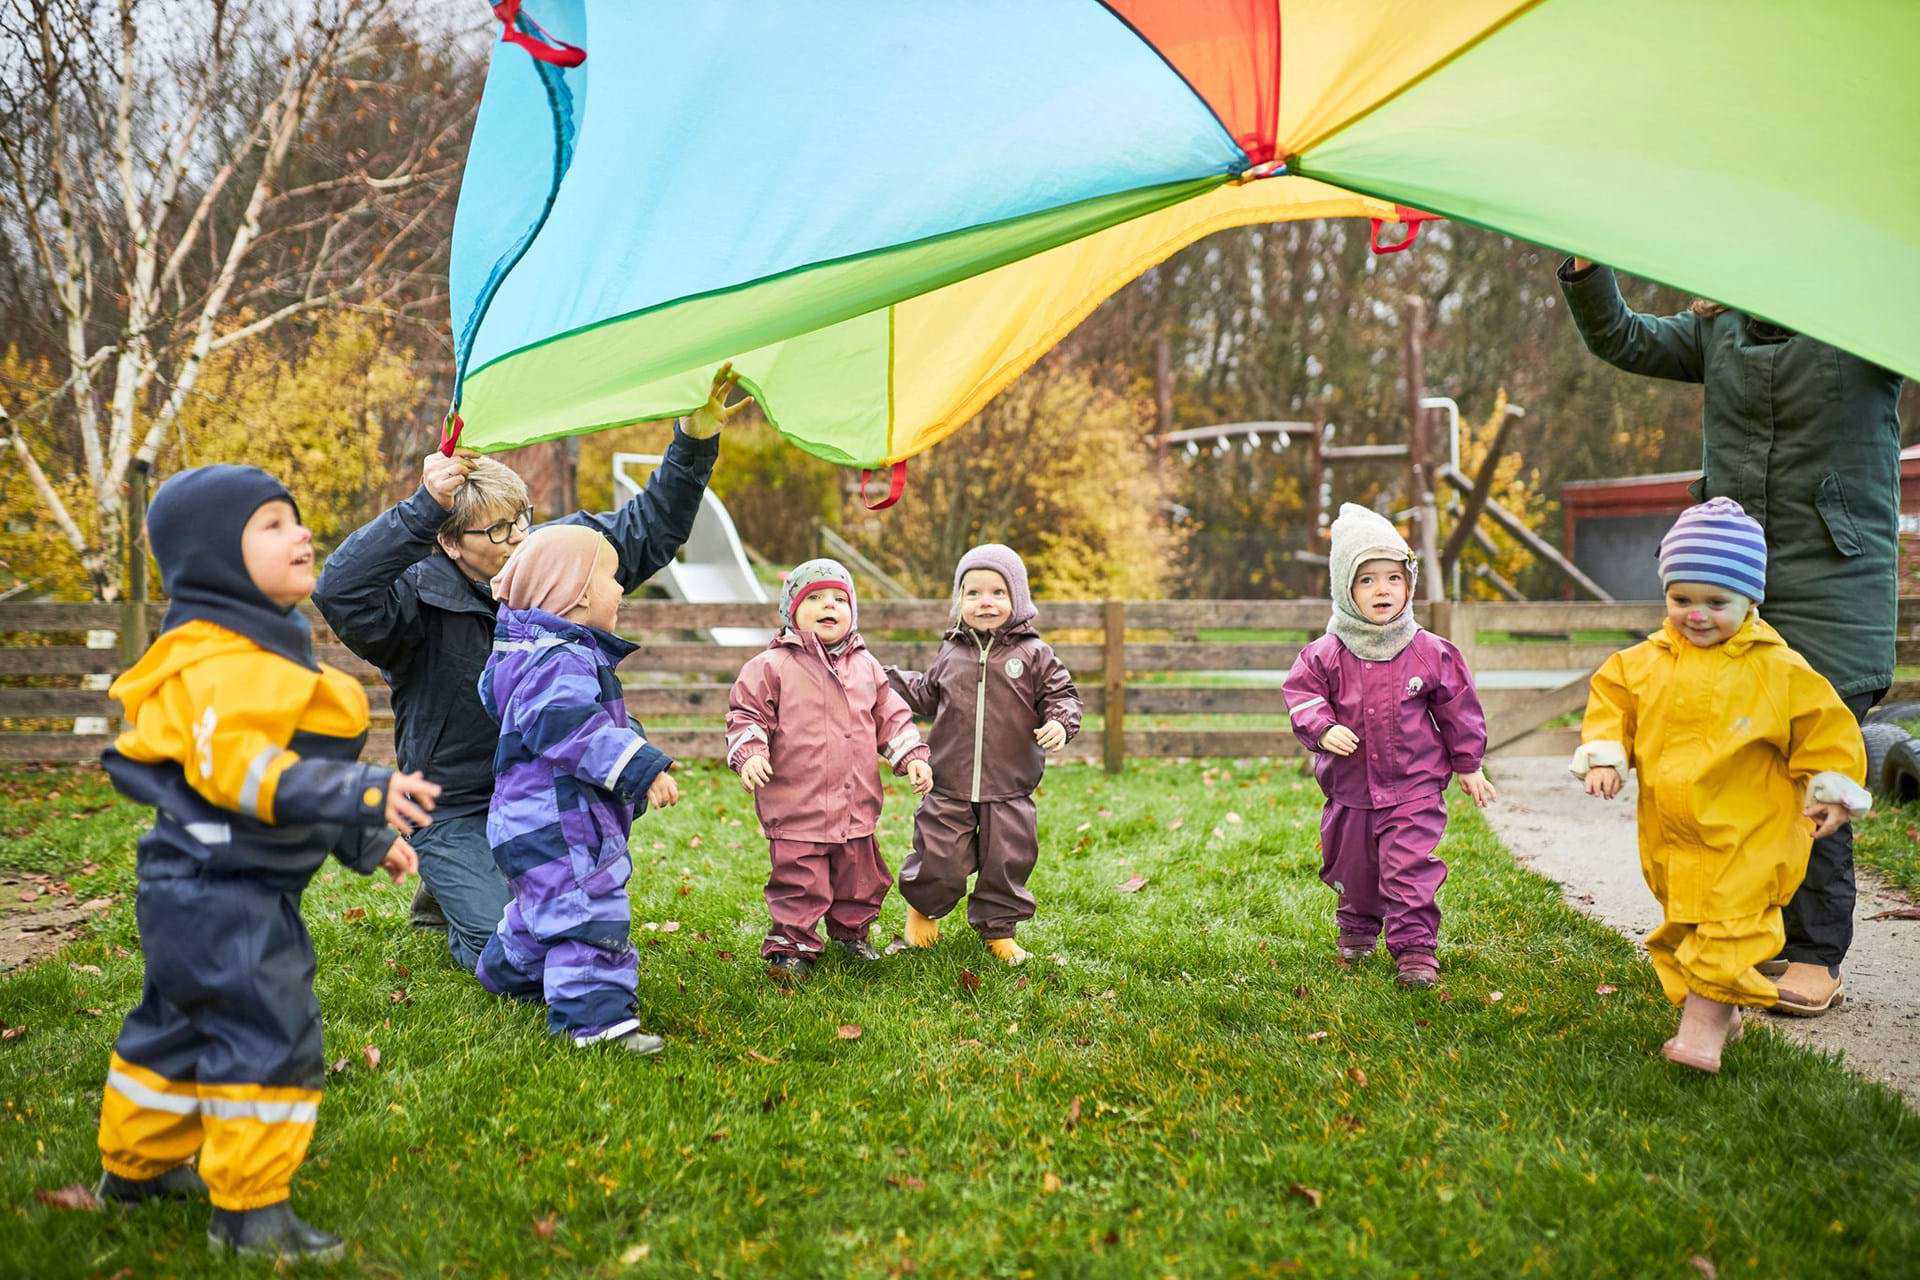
(1589, 848)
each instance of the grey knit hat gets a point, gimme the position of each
(1006, 562)
(812, 576)
(1360, 535)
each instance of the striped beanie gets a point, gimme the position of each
(1719, 544)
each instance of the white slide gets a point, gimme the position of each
(712, 568)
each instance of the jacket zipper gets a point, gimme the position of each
(980, 713)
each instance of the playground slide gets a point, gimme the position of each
(712, 567)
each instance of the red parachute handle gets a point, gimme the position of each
(558, 52)
(1411, 217)
(450, 434)
(896, 485)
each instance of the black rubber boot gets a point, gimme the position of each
(426, 912)
(787, 967)
(178, 1183)
(271, 1232)
(857, 949)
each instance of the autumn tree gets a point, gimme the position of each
(189, 179)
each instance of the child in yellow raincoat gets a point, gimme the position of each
(1736, 739)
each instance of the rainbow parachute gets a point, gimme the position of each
(882, 211)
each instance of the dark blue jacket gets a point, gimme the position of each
(394, 598)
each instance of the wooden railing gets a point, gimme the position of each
(1153, 686)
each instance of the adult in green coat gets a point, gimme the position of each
(1806, 438)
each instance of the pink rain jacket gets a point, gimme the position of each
(1417, 717)
(821, 718)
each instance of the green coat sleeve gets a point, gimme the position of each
(1657, 346)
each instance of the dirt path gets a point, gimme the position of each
(1589, 848)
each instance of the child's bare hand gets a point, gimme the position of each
(401, 861)
(1827, 818)
(1603, 781)
(1051, 736)
(1340, 740)
(755, 771)
(410, 802)
(663, 792)
(716, 412)
(920, 776)
(1479, 787)
(442, 476)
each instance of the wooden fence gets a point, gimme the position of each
(1157, 685)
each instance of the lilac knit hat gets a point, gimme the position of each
(1719, 544)
(1006, 562)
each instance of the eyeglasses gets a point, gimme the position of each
(502, 530)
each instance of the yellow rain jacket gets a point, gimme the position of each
(1730, 743)
(250, 759)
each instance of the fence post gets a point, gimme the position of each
(133, 626)
(1459, 622)
(1114, 673)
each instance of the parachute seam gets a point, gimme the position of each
(1180, 75)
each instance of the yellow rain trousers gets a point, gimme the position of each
(1730, 743)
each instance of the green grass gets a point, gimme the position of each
(1887, 841)
(1142, 1099)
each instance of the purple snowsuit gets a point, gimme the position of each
(570, 774)
(1419, 722)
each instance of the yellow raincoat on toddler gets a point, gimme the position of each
(1730, 742)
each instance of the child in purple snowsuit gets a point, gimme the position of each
(1000, 699)
(1389, 713)
(804, 722)
(571, 772)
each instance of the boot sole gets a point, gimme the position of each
(332, 1253)
(1837, 1000)
(1696, 1062)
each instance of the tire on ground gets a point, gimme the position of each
(1889, 712)
(1900, 772)
(1881, 738)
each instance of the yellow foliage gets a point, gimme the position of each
(316, 424)
(33, 552)
(1056, 467)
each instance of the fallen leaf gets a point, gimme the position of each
(1132, 884)
(84, 968)
(1050, 1182)
(28, 895)
(1704, 1267)
(719, 1135)
(1073, 1112)
(12, 1033)
(1300, 993)
(635, 1254)
(71, 1196)
(1085, 826)
(370, 1055)
(723, 955)
(339, 1065)
(1235, 819)
(849, 1031)
(91, 1013)
(1020, 983)
(399, 996)
(1317, 1035)
(758, 1056)
(1898, 913)
(1176, 824)
(1310, 1194)
(1358, 1076)
(399, 970)
(354, 913)
(96, 904)
(906, 1182)
(544, 1227)
(694, 843)
(1605, 989)
(1495, 997)
(670, 926)
(970, 980)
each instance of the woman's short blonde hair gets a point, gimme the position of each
(492, 492)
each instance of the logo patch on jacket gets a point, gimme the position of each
(1414, 686)
(1015, 668)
